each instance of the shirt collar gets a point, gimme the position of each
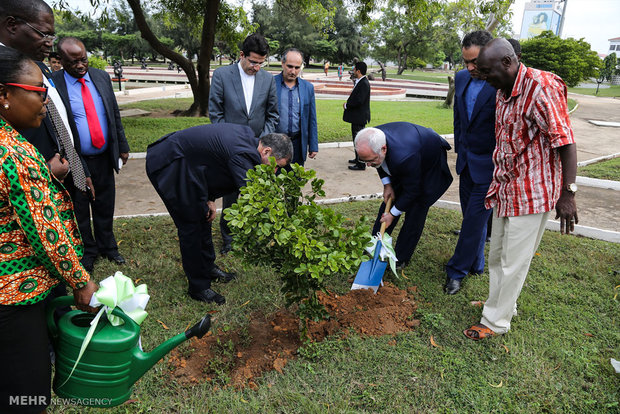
(242, 72)
(284, 84)
(75, 80)
(517, 88)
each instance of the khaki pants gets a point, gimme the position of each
(514, 241)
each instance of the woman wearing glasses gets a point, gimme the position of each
(38, 240)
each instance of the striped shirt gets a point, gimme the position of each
(530, 125)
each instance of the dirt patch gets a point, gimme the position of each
(269, 343)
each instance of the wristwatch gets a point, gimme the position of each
(571, 188)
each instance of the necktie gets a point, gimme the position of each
(96, 135)
(66, 147)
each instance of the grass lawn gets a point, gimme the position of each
(419, 75)
(555, 359)
(612, 91)
(606, 170)
(141, 131)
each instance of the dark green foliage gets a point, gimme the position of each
(610, 67)
(275, 223)
(572, 60)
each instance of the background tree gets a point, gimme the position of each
(609, 67)
(572, 60)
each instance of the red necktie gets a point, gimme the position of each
(96, 135)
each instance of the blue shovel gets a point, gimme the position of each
(371, 272)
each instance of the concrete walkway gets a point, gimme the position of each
(598, 201)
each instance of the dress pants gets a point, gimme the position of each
(102, 241)
(195, 241)
(355, 128)
(469, 252)
(513, 243)
(227, 201)
(409, 233)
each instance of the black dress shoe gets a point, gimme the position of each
(225, 248)
(357, 167)
(401, 265)
(452, 286)
(353, 161)
(116, 258)
(208, 296)
(221, 276)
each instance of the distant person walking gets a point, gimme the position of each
(340, 71)
(357, 108)
(326, 68)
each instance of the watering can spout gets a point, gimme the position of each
(143, 361)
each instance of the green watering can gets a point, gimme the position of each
(112, 362)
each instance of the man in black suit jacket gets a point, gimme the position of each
(75, 82)
(357, 108)
(190, 169)
(412, 164)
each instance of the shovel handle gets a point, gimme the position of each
(388, 205)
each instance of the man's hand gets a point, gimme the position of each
(90, 188)
(59, 167)
(82, 297)
(211, 213)
(344, 105)
(124, 157)
(388, 193)
(387, 218)
(312, 154)
(566, 211)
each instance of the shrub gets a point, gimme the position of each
(276, 224)
(97, 62)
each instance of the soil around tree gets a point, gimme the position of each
(268, 343)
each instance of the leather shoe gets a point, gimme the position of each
(401, 265)
(221, 276)
(208, 296)
(116, 258)
(452, 286)
(225, 248)
(357, 167)
(353, 161)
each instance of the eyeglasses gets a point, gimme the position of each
(46, 37)
(255, 64)
(42, 90)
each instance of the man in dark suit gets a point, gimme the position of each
(246, 95)
(297, 107)
(190, 169)
(90, 102)
(412, 164)
(474, 142)
(357, 108)
(28, 26)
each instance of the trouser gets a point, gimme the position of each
(298, 152)
(469, 252)
(227, 201)
(355, 128)
(102, 240)
(513, 243)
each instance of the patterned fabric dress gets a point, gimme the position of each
(39, 241)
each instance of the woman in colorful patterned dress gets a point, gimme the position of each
(39, 241)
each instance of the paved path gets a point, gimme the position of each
(598, 207)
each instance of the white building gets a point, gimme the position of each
(614, 46)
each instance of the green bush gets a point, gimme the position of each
(276, 224)
(97, 62)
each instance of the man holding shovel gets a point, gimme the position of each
(412, 164)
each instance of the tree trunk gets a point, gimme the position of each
(200, 83)
(450, 97)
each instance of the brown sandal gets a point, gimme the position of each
(478, 332)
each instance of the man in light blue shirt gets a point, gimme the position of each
(90, 101)
(297, 107)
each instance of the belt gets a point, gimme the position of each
(296, 136)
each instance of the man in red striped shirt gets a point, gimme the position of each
(535, 169)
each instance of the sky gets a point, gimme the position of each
(596, 21)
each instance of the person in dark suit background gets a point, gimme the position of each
(297, 107)
(412, 163)
(357, 108)
(246, 95)
(28, 26)
(189, 170)
(474, 142)
(90, 101)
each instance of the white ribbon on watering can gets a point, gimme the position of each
(115, 291)
(387, 250)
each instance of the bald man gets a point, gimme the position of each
(535, 169)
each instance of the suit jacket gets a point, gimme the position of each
(474, 139)
(117, 142)
(358, 104)
(307, 118)
(227, 102)
(44, 137)
(417, 162)
(200, 164)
